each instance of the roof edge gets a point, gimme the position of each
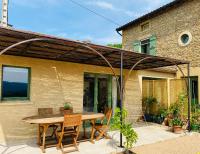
(152, 14)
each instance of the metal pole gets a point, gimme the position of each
(121, 94)
(189, 97)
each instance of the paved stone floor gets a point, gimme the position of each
(188, 144)
(147, 134)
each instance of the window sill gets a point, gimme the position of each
(15, 102)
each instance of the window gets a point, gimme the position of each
(145, 26)
(145, 46)
(185, 38)
(15, 82)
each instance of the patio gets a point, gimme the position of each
(148, 134)
(63, 51)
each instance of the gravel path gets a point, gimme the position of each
(189, 144)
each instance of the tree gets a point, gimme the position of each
(119, 45)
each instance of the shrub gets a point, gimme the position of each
(125, 128)
(195, 121)
(148, 101)
(177, 122)
(162, 112)
(176, 109)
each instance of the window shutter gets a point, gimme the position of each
(136, 46)
(153, 45)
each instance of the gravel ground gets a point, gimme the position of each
(189, 144)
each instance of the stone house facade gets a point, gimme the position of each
(170, 31)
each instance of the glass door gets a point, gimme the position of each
(194, 91)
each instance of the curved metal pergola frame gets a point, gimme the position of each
(85, 46)
(187, 82)
(120, 84)
(141, 60)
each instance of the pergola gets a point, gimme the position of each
(35, 45)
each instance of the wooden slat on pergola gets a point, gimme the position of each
(61, 49)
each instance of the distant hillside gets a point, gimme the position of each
(14, 89)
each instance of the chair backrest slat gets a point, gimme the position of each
(71, 120)
(108, 114)
(45, 111)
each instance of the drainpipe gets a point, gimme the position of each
(121, 94)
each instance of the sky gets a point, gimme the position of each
(65, 19)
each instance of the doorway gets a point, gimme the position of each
(99, 92)
(194, 90)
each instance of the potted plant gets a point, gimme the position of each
(163, 113)
(67, 108)
(125, 128)
(149, 101)
(195, 121)
(177, 125)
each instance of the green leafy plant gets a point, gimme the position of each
(195, 121)
(67, 106)
(177, 122)
(148, 101)
(163, 112)
(125, 128)
(177, 108)
(195, 124)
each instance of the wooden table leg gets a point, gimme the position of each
(44, 137)
(39, 136)
(92, 132)
(84, 131)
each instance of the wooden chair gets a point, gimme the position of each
(71, 127)
(103, 127)
(46, 112)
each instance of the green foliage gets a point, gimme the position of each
(182, 98)
(177, 108)
(125, 128)
(174, 109)
(116, 122)
(177, 122)
(67, 106)
(148, 101)
(195, 121)
(119, 46)
(162, 112)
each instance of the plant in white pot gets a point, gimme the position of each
(125, 128)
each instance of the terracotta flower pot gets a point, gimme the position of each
(177, 129)
(62, 111)
(68, 111)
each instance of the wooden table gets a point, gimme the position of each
(46, 121)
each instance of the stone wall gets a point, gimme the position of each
(167, 27)
(46, 92)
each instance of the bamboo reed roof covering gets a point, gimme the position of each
(60, 49)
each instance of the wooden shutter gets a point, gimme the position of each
(153, 45)
(136, 46)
